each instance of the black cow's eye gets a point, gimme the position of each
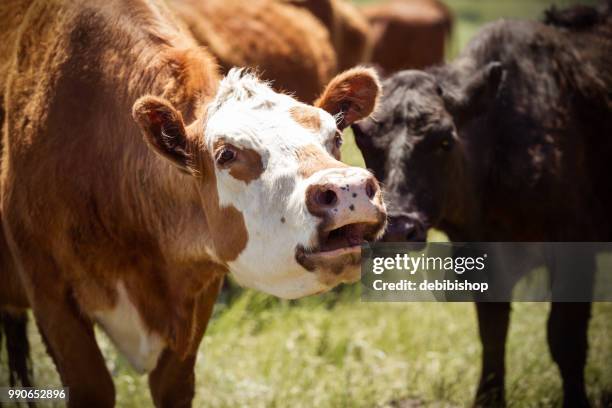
(441, 140)
(225, 156)
(447, 143)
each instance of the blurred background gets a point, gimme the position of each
(335, 351)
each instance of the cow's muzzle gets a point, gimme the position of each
(404, 227)
(349, 203)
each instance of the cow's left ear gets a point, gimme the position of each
(163, 129)
(351, 95)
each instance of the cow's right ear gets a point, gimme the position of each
(351, 95)
(163, 129)
(475, 93)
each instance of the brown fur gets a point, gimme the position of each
(351, 94)
(284, 44)
(169, 385)
(247, 167)
(348, 29)
(72, 80)
(307, 116)
(12, 13)
(408, 33)
(312, 158)
(250, 168)
(86, 204)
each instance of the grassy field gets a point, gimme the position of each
(335, 351)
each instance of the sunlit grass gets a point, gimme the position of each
(334, 351)
(350, 152)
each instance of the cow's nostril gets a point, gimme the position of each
(411, 234)
(326, 197)
(370, 189)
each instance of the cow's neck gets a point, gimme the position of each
(155, 199)
(154, 210)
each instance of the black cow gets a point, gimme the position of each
(510, 142)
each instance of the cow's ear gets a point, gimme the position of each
(475, 93)
(351, 95)
(163, 129)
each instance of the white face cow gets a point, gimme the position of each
(284, 214)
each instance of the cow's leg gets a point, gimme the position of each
(70, 340)
(67, 333)
(571, 270)
(172, 382)
(567, 338)
(493, 322)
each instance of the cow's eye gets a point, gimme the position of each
(441, 140)
(225, 156)
(447, 143)
(338, 140)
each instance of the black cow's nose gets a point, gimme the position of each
(402, 228)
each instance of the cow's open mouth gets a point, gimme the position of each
(347, 237)
(339, 246)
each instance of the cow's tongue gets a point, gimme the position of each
(346, 236)
(354, 234)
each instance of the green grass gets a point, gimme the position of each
(335, 351)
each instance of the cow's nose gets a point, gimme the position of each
(331, 196)
(403, 228)
(350, 194)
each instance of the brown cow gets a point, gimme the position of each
(347, 27)
(286, 45)
(136, 235)
(408, 33)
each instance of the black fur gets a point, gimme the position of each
(577, 17)
(510, 142)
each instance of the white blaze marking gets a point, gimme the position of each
(126, 329)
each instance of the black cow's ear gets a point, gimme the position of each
(163, 129)
(351, 95)
(473, 94)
